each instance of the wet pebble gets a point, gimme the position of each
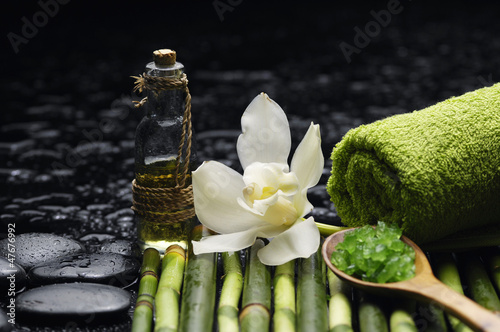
(31, 213)
(97, 237)
(43, 179)
(100, 208)
(5, 325)
(72, 301)
(7, 218)
(325, 175)
(70, 209)
(14, 148)
(318, 196)
(63, 198)
(36, 248)
(105, 268)
(63, 174)
(125, 222)
(47, 136)
(11, 274)
(11, 207)
(59, 217)
(51, 111)
(33, 201)
(119, 213)
(94, 241)
(24, 128)
(326, 216)
(17, 176)
(122, 247)
(38, 155)
(50, 208)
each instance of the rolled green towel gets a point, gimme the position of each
(433, 172)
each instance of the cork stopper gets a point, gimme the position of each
(164, 57)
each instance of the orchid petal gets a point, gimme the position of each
(265, 133)
(216, 189)
(307, 163)
(300, 240)
(232, 241)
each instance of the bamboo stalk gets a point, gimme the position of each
(447, 271)
(432, 318)
(480, 286)
(311, 295)
(169, 289)
(143, 313)
(284, 297)
(492, 261)
(371, 317)
(340, 310)
(198, 293)
(256, 300)
(227, 312)
(401, 319)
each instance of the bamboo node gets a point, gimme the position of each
(149, 273)
(144, 303)
(176, 249)
(252, 307)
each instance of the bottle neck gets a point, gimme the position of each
(165, 103)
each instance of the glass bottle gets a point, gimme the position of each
(157, 140)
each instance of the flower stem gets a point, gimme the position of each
(326, 230)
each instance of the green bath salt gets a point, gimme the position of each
(375, 254)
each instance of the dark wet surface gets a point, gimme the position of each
(67, 125)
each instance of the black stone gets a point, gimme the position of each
(73, 300)
(36, 248)
(122, 247)
(96, 237)
(12, 148)
(326, 216)
(100, 208)
(17, 176)
(11, 274)
(106, 268)
(5, 325)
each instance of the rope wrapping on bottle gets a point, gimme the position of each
(163, 204)
(173, 204)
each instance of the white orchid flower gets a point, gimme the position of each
(269, 200)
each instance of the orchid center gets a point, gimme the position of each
(269, 192)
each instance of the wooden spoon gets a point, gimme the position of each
(424, 286)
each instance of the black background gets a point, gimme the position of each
(66, 78)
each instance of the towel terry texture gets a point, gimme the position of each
(434, 171)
